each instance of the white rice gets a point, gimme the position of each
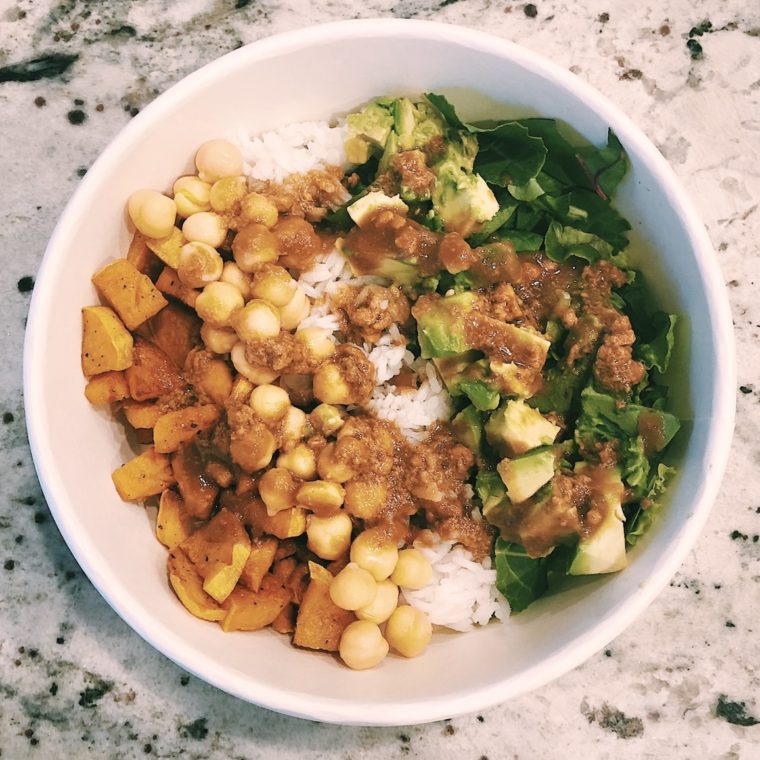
(389, 354)
(462, 592)
(328, 273)
(292, 149)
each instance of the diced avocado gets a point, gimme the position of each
(483, 396)
(358, 150)
(373, 123)
(441, 323)
(364, 208)
(515, 379)
(516, 428)
(493, 494)
(524, 475)
(468, 375)
(467, 428)
(604, 550)
(404, 118)
(461, 199)
(391, 148)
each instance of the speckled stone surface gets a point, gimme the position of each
(683, 681)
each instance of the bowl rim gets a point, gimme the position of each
(720, 433)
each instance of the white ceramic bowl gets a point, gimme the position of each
(316, 73)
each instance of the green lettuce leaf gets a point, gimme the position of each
(640, 523)
(605, 167)
(520, 579)
(561, 243)
(522, 241)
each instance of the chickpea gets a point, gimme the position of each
(362, 645)
(293, 426)
(326, 419)
(256, 374)
(191, 196)
(318, 342)
(277, 490)
(353, 588)
(199, 264)
(329, 385)
(205, 227)
(253, 246)
(254, 451)
(216, 159)
(227, 192)
(381, 608)
(295, 311)
(217, 303)
(413, 570)
(218, 340)
(329, 537)
(321, 497)
(260, 209)
(233, 274)
(273, 284)
(300, 461)
(365, 498)
(258, 320)
(269, 402)
(297, 241)
(408, 631)
(375, 552)
(331, 468)
(152, 213)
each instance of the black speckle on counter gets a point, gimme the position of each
(34, 69)
(694, 48)
(184, 680)
(40, 518)
(449, 730)
(730, 624)
(91, 695)
(53, 689)
(76, 117)
(39, 101)
(630, 74)
(734, 712)
(7, 418)
(197, 730)
(404, 738)
(78, 102)
(25, 284)
(604, 17)
(125, 30)
(240, 4)
(611, 719)
(60, 640)
(746, 388)
(737, 534)
(481, 719)
(147, 748)
(81, 171)
(9, 564)
(530, 10)
(700, 29)
(608, 653)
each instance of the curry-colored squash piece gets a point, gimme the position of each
(172, 522)
(285, 622)
(188, 586)
(167, 249)
(152, 373)
(210, 376)
(219, 551)
(175, 429)
(130, 293)
(107, 388)
(141, 415)
(176, 330)
(286, 524)
(142, 258)
(253, 610)
(198, 492)
(148, 474)
(169, 284)
(106, 344)
(259, 561)
(320, 622)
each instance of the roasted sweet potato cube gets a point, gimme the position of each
(172, 522)
(259, 561)
(175, 429)
(210, 376)
(141, 415)
(106, 343)
(131, 294)
(286, 524)
(152, 373)
(142, 258)
(169, 284)
(320, 622)
(298, 581)
(176, 331)
(283, 568)
(285, 622)
(107, 388)
(167, 249)
(287, 548)
(146, 475)
(253, 610)
(197, 491)
(188, 586)
(219, 551)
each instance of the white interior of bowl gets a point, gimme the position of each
(315, 74)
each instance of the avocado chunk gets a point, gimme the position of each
(524, 475)
(441, 323)
(364, 208)
(462, 200)
(467, 428)
(515, 428)
(604, 550)
(493, 495)
(372, 124)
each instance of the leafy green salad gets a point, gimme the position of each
(503, 236)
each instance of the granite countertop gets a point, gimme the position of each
(683, 681)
